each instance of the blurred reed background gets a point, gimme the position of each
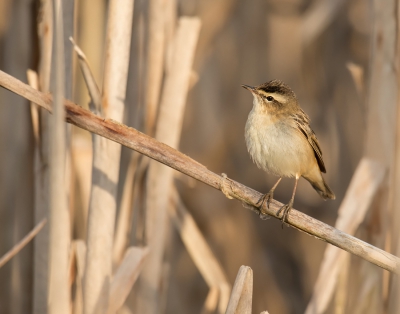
(127, 214)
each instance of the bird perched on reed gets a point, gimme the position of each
(281, 142)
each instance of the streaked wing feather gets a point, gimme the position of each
(303, 124)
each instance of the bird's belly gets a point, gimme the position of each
(279, 150)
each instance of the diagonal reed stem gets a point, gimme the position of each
(150, 147)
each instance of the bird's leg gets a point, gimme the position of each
(268, 197)
(286, 208)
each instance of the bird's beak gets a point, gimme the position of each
(249, 88)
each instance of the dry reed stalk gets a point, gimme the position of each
(106, 158)
(84, 172)
(21, 244)
(155, 61)
(200, 252)
(162, 153)
(95, 95)
(242, 292)
(159, 177)
(125, 277)
(365, 184)
(138, 165)
(41, 163)
(59, 216)
(133, 183)
(382, 106)
(383, 94)
(125, 214)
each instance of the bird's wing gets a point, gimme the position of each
(303, 125)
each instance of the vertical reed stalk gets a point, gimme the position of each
(59, 216)
(160, 178)
(41, 164)
(106, 158)
(155, 61)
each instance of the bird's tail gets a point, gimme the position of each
(322, 188)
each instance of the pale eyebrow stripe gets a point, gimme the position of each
(278, 97)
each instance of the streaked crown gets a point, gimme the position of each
(276, 87)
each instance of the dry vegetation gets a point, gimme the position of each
(115, 231)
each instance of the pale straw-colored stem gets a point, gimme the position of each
(125, 277)
(106, 159)
(242, 292)
(95, 95)
(59, 216)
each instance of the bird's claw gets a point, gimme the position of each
(266, 197)
(286, 209)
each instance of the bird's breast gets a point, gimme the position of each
(276, 146)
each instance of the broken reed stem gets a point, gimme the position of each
(125, 277)
(150, 147)
(21, 244)
(94, 91)
(242, 292)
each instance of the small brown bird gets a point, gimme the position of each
(280, 140)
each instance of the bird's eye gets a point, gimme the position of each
(270, 98)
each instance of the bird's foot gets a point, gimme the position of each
(285, 209)
(265, 198)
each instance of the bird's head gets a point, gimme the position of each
(273, 97)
